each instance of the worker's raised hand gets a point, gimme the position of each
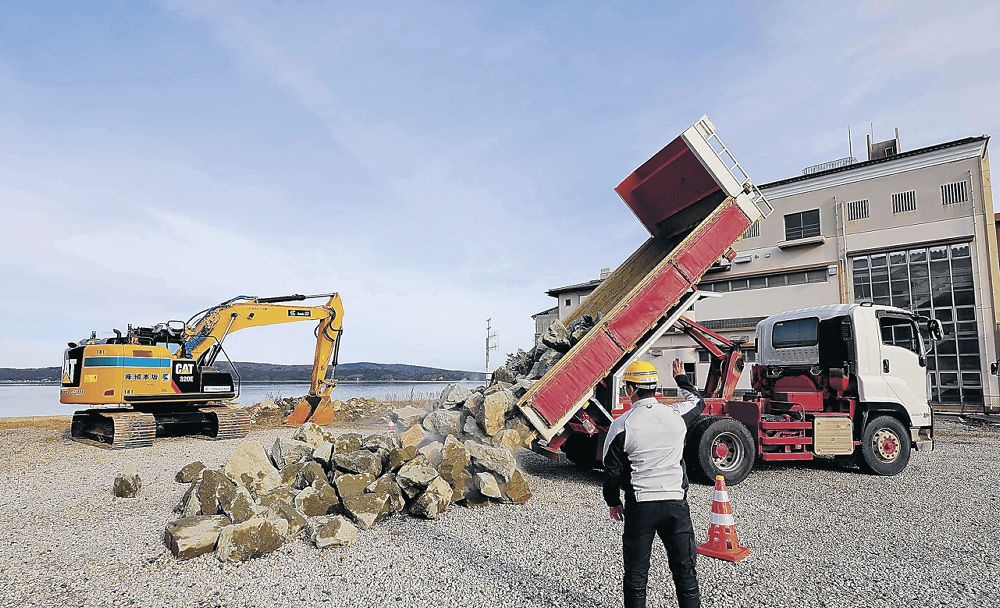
(617, 513)
(678, 367)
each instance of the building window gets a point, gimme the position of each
(904, 201)
(957, 192)
(802, 225)
(936, 282)
(857, 210)
(774, 280)
(752, 231)
(569, 302)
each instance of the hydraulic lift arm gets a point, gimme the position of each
(726, 359)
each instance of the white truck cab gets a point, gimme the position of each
(880, 352)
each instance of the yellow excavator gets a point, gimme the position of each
(162, 380)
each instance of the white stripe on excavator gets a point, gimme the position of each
(721, 496)
(723, 519)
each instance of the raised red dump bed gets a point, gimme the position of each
(696, 201)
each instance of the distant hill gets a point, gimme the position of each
(369, 372)
(270, 372)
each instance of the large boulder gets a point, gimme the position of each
(525, 431)
(323, 453)
(366, 509)
(310, 433)
(412, 436)
(361, 461)
(472, 430)
(318, 499)
(434, 500)
(287, 451)
(414, 476)
(335, 531)
(250, 539)
(556, 336)
(454, 459)
(405, 417)
(492, 459)
(444, 422)
(461, 486)
(308, 472)
(379, 442)
(193, 536)
(452, 396)
(515, 490)
(250, 467)
(388, 486)
(521, 387)
(487, 485)
(289, 472)
(432, 452)
(400, 456)
(492, 415)
(296, 520)
(502, 374)
(507, 438)
(128, 483)
(189, 504)
(474, 402)
(214, 490)
(239, 505)
(346, 443)
(352, 484)
(189, 472)
(285, 495)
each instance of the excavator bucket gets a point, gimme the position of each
(311, 408)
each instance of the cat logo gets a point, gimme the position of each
(69, 367)
(184, 369)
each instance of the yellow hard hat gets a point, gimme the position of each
(642, 372)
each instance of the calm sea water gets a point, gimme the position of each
(38, 400)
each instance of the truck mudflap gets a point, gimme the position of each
(923, 436)
(696, 201)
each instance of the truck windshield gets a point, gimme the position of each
(798, 332)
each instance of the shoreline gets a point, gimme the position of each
(31, 383)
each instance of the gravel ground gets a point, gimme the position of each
(820, 536)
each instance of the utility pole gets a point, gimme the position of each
(491, 344)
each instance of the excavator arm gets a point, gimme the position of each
(206, 331)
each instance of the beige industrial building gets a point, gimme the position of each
(913, 229)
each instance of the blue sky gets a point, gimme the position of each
(435, 163)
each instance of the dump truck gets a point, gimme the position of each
(846, 380)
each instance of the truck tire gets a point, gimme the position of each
(720, 446)
(581, 450)
(885, 446)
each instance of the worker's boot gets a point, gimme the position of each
(635, 598)
(689, 598)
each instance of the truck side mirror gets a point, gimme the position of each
(934, 329)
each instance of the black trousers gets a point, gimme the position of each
(671, 521)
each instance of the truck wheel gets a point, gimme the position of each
(885, 446)
(581, 450)
(721, 446)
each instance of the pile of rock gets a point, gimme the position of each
(325, 487)
(488, 415)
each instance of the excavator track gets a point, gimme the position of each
(125, 429)
(232, 423)
(115, 430)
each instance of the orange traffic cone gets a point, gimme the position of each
(722, 540)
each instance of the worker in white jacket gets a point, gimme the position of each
(643, 458)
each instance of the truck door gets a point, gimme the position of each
(903, 368)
